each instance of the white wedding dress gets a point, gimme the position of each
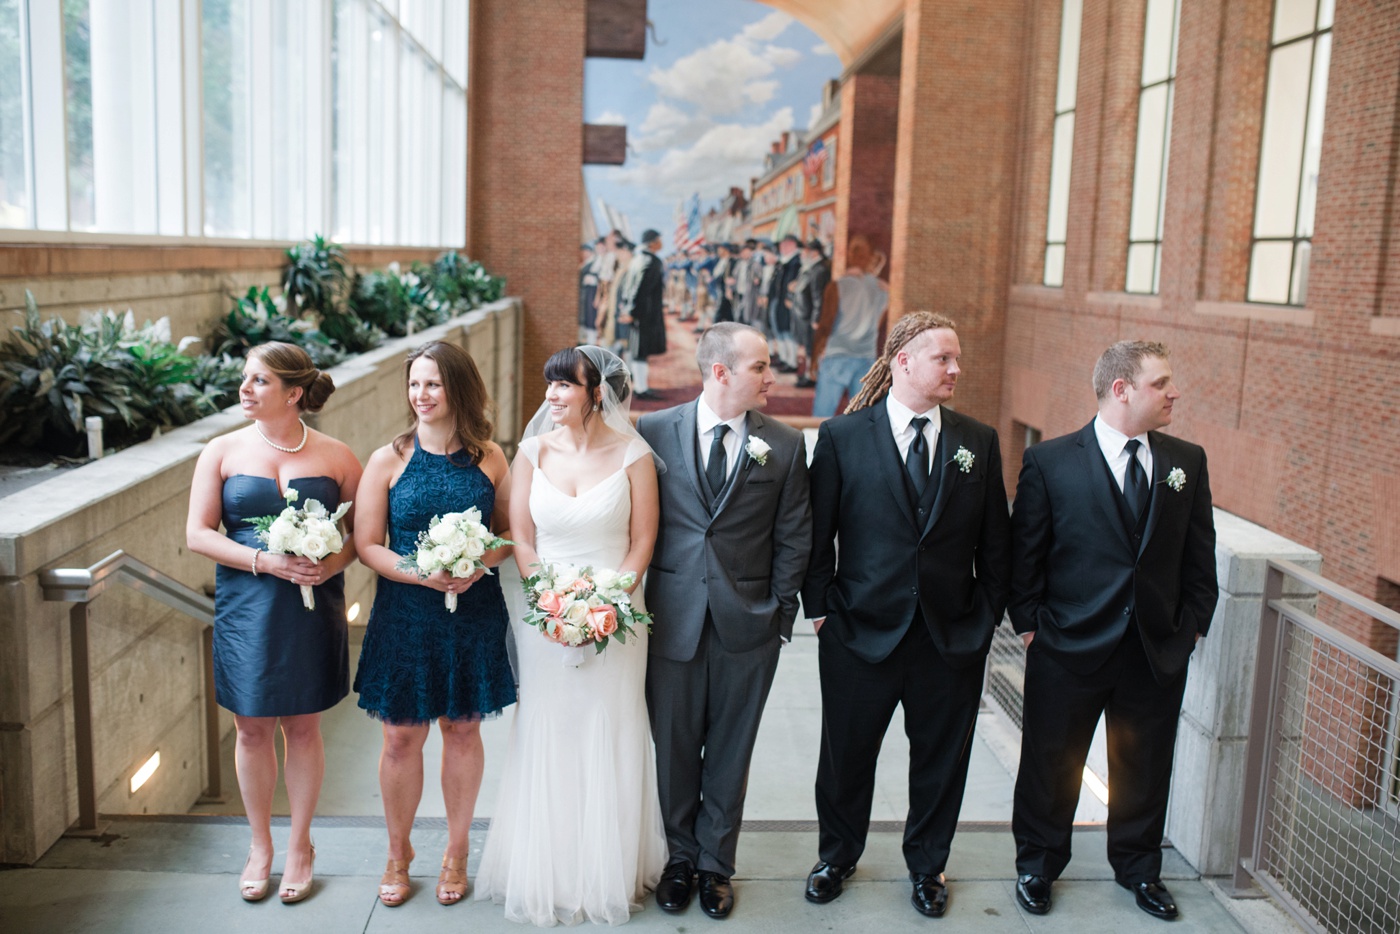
(576, 833)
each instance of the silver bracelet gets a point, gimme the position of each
(255, 561)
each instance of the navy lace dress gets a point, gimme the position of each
(420, 662)
(272, 656)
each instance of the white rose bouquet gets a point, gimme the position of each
(454, 543)
(577, 606)
(309, 532)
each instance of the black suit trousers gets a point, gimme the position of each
(1062, 710)
(940, 713)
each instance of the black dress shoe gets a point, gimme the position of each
(673, 891)
(1033, 892)
(930, 896)
(805, 383)
(1153, 898)
(716, 894)
(824, 881)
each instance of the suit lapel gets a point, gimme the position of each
(1100, 480)
(950, 438)
(887, 462)
(686, 441)
(1161, 466)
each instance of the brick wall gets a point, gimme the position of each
(865, 170)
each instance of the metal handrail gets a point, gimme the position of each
(82, 586)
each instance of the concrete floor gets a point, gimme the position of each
(179, 873)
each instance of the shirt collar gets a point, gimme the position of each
(901, 415)
(1111, 439)
(706, 419)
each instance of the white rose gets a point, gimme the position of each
(444, 556)
(573, 635)
(594, 601)
(281, 535)
(425, 560)
(567, 572)
(576, 612)
(453, 518)
(474, 548)
(542, 585)
(465, 567)
(314, 545)
(607, 579)
(442, 533)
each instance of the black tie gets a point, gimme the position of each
(916, 461)
(1134, 481)
(714, 470)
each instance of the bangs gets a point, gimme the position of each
(565, 366)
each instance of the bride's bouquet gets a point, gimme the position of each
(577, 606)
(454, 543)
(309, 532)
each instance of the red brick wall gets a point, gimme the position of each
(525, 157)
(865, 168)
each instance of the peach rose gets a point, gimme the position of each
(580, 585)
(554, 629)
(551, 602)
(603, 619)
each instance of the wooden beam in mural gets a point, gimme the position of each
(616, 29)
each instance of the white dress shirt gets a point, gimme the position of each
(705, 422)
(1112, 443)
(900, 418)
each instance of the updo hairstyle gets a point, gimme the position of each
(293, 367)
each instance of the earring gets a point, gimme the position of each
(596, 406)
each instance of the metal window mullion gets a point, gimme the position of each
(26, 95)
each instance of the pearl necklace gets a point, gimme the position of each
(305, 433)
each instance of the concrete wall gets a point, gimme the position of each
(1203, 816)
(146, 677)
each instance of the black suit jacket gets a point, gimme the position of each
(954, 565)
(1078, 576)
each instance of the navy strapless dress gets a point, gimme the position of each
(272, 656)
(420, 662)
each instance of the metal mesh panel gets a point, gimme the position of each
(1006, 672)
(1331, 840)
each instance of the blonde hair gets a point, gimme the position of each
(876, 381)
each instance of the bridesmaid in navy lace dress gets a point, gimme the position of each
(420, 663)
(274, 660)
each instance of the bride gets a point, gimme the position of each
(576, 832)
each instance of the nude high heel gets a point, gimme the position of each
(253, 890)
(393, 885)
(452, 881)
(296, 891)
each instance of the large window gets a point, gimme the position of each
(1153, 142)
(246, 119)
(1290, 151)
(1062, 148)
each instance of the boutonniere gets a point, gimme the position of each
(964, 459)
(1176, 479)
(757, 449)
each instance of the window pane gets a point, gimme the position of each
(454, 44)
(1268, 272)
(1151, 157)
(454, 169)
(14, 176)
(226, 141)
(1157, 41)
(1281, 150)
(1141, 261)
(1301, 254)
(123, 116)
(1068, 83)
(1293, 18)
(1062, 152)
(1312, 145)
(1055, 265)
(291, 163)
(78, 78)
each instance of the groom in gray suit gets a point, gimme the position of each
(730, 556)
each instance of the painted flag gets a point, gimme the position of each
(695, 228)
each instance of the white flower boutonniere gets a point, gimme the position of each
(757, 449)
(1176, 479)
(964, 459)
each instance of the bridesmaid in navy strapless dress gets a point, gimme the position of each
(277, 665)
(272, 656)
(420, 663)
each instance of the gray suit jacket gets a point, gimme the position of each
(741, 557)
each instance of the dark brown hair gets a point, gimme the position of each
(293, 367)
(876, 381)
(467, 400)
(572, 365)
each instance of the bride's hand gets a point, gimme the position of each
(445, 582)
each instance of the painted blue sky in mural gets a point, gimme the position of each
(702, 108)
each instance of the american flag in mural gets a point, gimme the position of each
(690, 231)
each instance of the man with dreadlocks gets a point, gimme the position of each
(905, 613)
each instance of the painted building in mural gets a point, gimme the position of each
(796, 194)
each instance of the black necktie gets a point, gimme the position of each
(916, 461)
(714, 470)
(1134, 481)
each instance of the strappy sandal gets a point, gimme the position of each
(393, 885)
(293, 892)
(452, 881)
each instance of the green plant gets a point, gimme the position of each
(315, 276)
(256, 319)
(464, 284)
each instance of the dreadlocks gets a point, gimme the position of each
(876, 381)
